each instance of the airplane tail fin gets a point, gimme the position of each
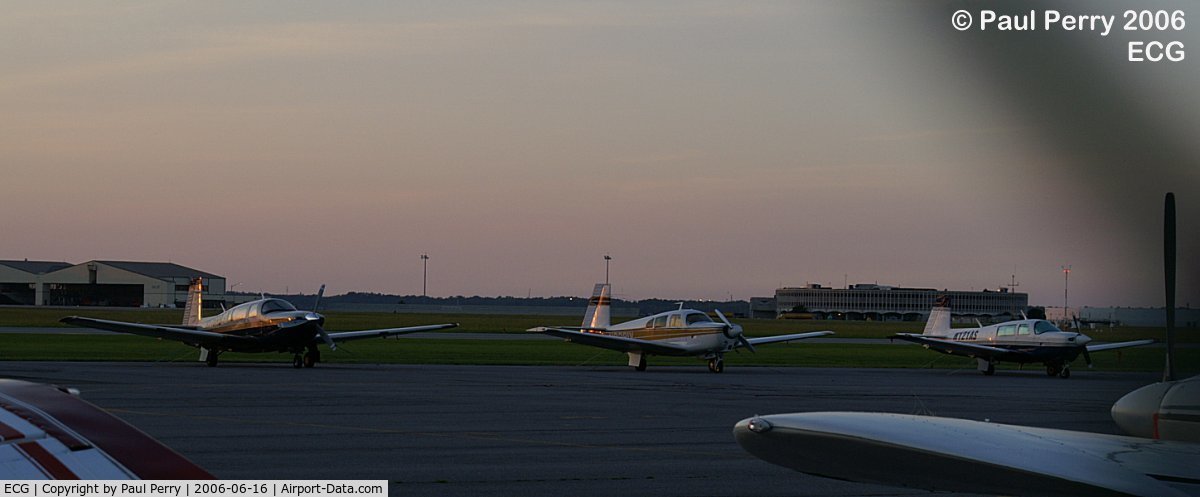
(191, 310)
(939, 317)
(599, 306)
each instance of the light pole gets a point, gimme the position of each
(424, 275)
(1066, 285)
(606, 260)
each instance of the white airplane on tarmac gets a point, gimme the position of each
(1022, 341)
(1161, 459)
(682, 332)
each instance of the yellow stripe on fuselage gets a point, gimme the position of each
(653, 334)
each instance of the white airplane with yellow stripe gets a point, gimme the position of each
(682, 332)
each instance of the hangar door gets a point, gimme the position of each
(100, 294)
(17, 294)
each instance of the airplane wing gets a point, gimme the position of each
(788, 338)
(956, 455)
(961, 348)
(614, 342)
(384, 332)
(50, 433)
(1118, 345)
(185, 335)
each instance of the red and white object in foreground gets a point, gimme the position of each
(48, 433)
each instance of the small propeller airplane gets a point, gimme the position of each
(264, 325)
(682, 332)
(1022, 341)
(48, 432)
(1161, 459)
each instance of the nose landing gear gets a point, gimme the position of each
(716, 364)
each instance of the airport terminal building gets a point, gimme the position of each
(104, 283)
(886, 303)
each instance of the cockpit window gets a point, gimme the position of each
(276, 305)
(660, 322)
(1044, 326)
(698, 317)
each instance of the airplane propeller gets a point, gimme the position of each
(1169, 276)
(313, 316)
(740, 337)
(1078, 327)
(321, 331)
(320, 293)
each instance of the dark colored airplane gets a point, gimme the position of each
(265, 325)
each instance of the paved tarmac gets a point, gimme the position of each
(542, 431)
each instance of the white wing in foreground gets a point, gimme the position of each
(957, 455)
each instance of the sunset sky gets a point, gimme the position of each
(714, 149)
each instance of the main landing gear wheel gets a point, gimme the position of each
(641, 364)
(991, 369)
(1052, 370)
(716, 365)
(212, 359)
(1065, 373)
(297, 361)
(311, 358)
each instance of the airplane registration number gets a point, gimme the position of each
(966, 335)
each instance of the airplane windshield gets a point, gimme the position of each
(1044, 326)
(276, 305)
(698, 317)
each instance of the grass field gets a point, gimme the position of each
(345, 321)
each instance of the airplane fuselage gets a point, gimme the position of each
(692, 330)
(1037, 341)
(274, 324)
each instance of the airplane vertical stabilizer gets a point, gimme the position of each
(191, 310)
(939, 317)
(599, 307)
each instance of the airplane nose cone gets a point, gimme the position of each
(1135, 412)
(312, 316)
(1082, 339)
